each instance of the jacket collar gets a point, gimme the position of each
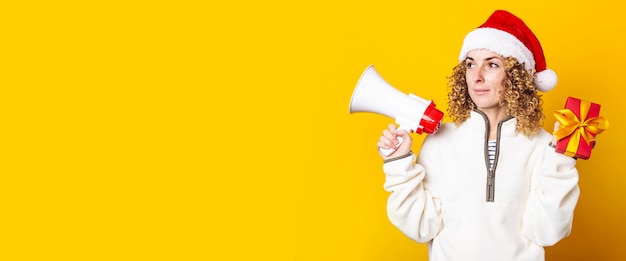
(478, 122)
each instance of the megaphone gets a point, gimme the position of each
(413, 113)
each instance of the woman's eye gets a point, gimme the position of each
(469, 65)
(493, 65)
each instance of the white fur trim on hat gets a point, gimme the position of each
(499, 42)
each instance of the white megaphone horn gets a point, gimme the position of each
(414, 114)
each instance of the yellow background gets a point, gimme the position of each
(219, 130)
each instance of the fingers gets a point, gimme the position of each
(389, 138)
(557, 124)
(392, 128)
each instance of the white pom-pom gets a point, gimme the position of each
(545, 80)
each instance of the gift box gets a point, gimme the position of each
(579, 123)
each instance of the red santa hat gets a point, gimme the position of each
(507, 35)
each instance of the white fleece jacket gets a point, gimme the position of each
(447, 200)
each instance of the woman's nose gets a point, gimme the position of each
(478, 75)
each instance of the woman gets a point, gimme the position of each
(488, 186)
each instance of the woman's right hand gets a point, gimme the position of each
(389, 140)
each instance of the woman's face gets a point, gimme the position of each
(485, 76)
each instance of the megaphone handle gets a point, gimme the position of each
(387, 152)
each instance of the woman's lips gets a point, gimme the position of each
(481, 91)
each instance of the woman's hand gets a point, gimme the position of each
(389, 140)
(557, 124)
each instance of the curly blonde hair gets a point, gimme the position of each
(520, 97)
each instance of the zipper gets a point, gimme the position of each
(491, 171)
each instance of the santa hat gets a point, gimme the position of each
(507, 35)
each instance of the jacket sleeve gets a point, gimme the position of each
(411, 207)
(554, 194)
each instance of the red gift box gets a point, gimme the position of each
(580, 122)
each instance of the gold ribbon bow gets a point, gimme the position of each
(570, 124)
